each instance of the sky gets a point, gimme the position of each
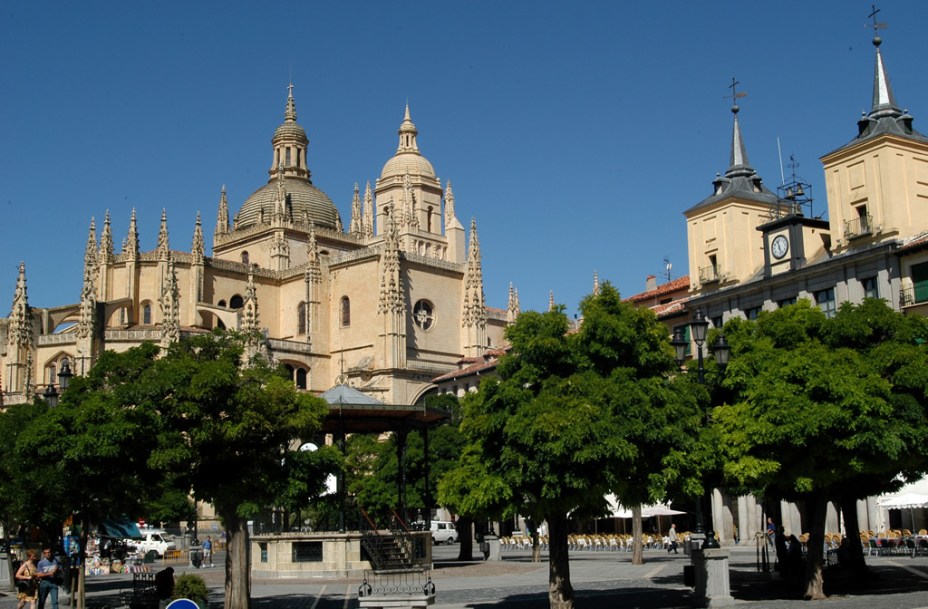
(575, 133)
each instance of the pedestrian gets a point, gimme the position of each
(771, 531)
(164, 586)
(27, 588)
(672, 539)
(208, 551)
(49, 571)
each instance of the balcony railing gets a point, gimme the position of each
(858, 226)
(709, 274)
(913, 295)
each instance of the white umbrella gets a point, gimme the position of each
(659, 510)
(616, 509)
(908, 501)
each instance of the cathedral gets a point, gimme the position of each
(385, 304)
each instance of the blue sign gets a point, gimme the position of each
(183, 603)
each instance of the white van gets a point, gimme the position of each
(443, 531)
(158, 540)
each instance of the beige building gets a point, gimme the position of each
(752, 250)
(385, 302)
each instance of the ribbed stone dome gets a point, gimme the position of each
(306, 201)
(407, 162)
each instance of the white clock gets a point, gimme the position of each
(779, 247)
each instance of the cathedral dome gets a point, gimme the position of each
(407, 159)
(305, 201)
(412, 163)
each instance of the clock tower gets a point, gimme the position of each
(792, 236)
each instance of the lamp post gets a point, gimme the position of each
(698, 330)
(64, 377)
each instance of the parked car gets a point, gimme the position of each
(158, 540)
(443, 531)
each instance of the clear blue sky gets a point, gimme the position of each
(576, 133)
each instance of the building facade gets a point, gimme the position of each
(385, 303)
(753, 250)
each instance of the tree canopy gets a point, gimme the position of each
(572, 416)
(824, 409)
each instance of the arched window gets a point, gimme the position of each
(236, 302)
(221, 303)
(51, 374)
(301, 377)
(245, 257)
(301, 318)
(346, 312)
(146, 314)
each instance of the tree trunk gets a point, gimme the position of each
(81, 567)
(817, 505)
(854, 556)
(637, 541)
(465, 527)
(560, 592)
(536, 547)
(238, 565)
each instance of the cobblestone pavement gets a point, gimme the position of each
(601, 580)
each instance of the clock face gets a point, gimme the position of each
(779, 247)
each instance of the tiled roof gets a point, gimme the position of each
(472, 366)
(917, 243)
(676, 285)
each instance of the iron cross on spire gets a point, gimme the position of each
(877, 25)
(734, 93)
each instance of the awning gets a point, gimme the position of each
(120, 529)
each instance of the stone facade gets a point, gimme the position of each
(384, 302)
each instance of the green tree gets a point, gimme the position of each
(820, 407)
(95, 446)
(571, 417)
(230, 424)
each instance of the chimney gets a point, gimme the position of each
(650, 283)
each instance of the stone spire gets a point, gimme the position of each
(90, 251)
(367, 227)
(106, 241)
(312, 278)
(551, 300)
(88, 303)
(19, 333)
(474, 313)
(170, 306)
(391, 293)
(391, 306)
(250, 307)
(131, 245)
(164, 250)
(222, 216)
(354, 227)
(198, 248)
(595, 283)
(410, 217)
(449, 205)
(513, 310)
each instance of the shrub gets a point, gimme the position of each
(191, 586)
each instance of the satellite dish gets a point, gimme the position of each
(309, 447)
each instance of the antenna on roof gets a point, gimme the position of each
(780, 155)
(667, 267)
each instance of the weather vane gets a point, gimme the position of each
(876, 25)
(734, 94)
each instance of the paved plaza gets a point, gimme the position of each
(601, 580)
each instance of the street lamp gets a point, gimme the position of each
(64, 377)
(699, 327)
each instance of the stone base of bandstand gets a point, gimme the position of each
(399, 589)
(713, 587)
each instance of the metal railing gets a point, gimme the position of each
(858, 227)
(709, 274)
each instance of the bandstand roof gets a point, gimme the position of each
(352, 411)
